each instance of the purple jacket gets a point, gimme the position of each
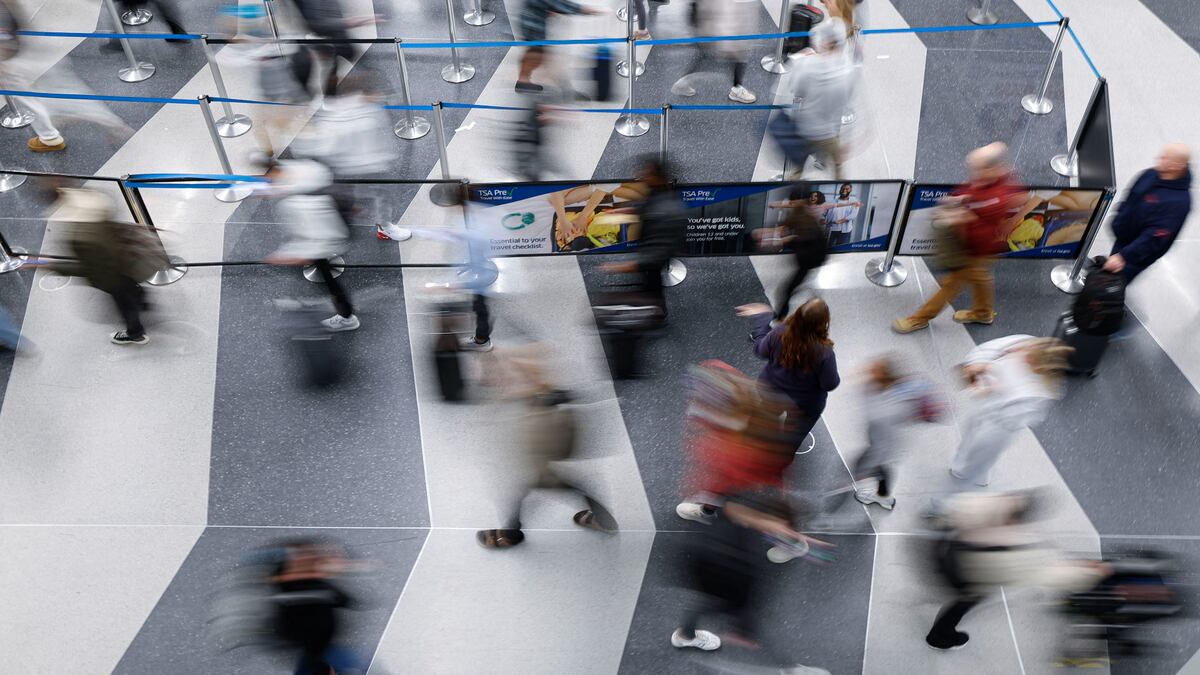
(807, 390)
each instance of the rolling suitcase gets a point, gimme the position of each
(803, 18)
(1089, 348)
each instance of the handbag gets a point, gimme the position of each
(950, 250)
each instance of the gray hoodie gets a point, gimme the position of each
(821, 85)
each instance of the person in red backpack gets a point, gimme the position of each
(982, 223)
(1153, 212)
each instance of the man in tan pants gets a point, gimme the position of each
(986, 205)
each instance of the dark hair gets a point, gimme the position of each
(806, 336)
(845, 185)
(820, 196)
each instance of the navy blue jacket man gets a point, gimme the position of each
(1153, 212)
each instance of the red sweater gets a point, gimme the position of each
(990, 204)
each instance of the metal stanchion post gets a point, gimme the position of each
(14, 117)
(1069, 277)
(664, 131)
(233, 193)
(443, 194)
(777, 63)
(1038, 104)
(411, 127)
(137, 70)
(623, 65)
(11, 257)
(232, 124)
(136, 17)
(477, 15)
(456, 72)
(887, 271)
(630, 124)
(982, 15)
(176, 266)
(1067, 164)
(782, 175)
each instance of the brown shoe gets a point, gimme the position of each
(971, 316)
(908, 325)
(36, 145)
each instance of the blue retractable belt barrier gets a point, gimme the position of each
(167, 181)
(99, 97)
(1075, 39)
(118, 36)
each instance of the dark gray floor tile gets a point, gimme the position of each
(920, 14)
(1179, 16)
(178, 637)
(806, 614)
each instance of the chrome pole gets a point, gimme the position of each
(477, 15)
(136, 17)
(630, 124)
(411, 127)
(1068, 164)
(274, 28)
(1069, 277)
(11, 257)
(233, 193)
(777, 63)
(982, 15)
(623, 65)
(176, 267)
(443, 194)
(231, 125)
(456, 72)
(664, 131)
(137, 70)
(887, 271)
(1038, 104)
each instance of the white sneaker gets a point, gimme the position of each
(470, 345)
(694, 511)
(704, 640)
(741, 94)
(869, 498)
(683, 87)
(338, 323)
(392, 231)
(781, 553)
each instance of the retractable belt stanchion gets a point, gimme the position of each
(477, 15)
(411, 127)
(675, 273)
(630, 123)
(457, 72)
(14, 116)
(271, 23)
(1067, 164)
(11, 181)
(136, 17)
(887, 271)
(1069, 277)
(664, 131)
(11, 258)
(623, 13)
(1038, 104)
(443, 194)
(777, 62)
(623, 65)
(233, 193)
(982, 15)
(176, 266)
(232, 124)
(137, 70)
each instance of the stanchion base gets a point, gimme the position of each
(446, 194)
(622, 13)
(1035, 104)
(773, 65)
(411, 130)
(458, 75)
(11, 181)
(232, 127)
(848, 118)
(233, 193)
(623, 69)
(136, 17)
(886, 278)
(1065, 165)
(14, 261)
(632, 125)
(478, 17)
(977, 16)
(1060, 276)
(174, 271)
(15, 120)
(675, 273)
(336, 267)
(143, 71)
(807, 446)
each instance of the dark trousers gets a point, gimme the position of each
(946, 624)
(341, 301)
(652, 286)
(866, 466)
(129, 297)
(726, 592)
(784, 299)
(483, 318)
(839, 238)
(739, 72)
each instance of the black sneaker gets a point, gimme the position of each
(529, 88)
(956, 641)
(124, 338)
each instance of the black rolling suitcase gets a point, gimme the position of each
(1097, 313)
(625, 320)
(447, 360)
(803, 18)
(1089, 349)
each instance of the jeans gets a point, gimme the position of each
(341, 301)
(946, 624)
(978, 275)
(129, 297)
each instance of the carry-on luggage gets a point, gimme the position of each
(804, 17)
(625, 320)
(1099, 308)
(1088, 348)
(447, 360)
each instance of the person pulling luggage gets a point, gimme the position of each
(1149, 218)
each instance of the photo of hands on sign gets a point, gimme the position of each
(598, 221)
(1051, 218)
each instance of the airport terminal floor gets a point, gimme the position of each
(137, 480)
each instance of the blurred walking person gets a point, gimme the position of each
(550, 440)
(317, 231)
(1152, 213)
(802, 235)
(821, 85)
(326, 20)
(663, 232)
(974, 220)
(308, 602)
(114, 257)
(534, 15)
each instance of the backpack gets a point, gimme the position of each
(1099, 308)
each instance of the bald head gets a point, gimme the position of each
(988, 163)
(1173, 159)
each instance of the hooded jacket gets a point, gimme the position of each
(1150, 217)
